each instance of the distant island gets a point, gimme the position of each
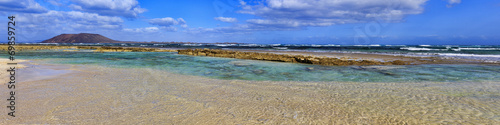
(80, 38)
(97, 38)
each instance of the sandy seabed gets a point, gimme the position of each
(78, 94)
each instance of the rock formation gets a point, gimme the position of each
(285, 58)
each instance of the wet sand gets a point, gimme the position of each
(86, 94)
(4, 67)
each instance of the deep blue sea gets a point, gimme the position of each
(226, 68)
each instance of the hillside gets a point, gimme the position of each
(80, 38)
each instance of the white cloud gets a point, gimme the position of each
(275, 23)
(226, 19)
(24, 6)
(286, 14)
(235, 29)
(150, 29)
(70, 18)
(243, 2)
(298, 14)
(125, 8)
(452, 3)
(168, 21)
(61, 21)
(39, 26)
(54, 2)
(181, 22)
(145, 29)
(169, 29)
(75, 7)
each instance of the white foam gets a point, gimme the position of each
(478, 48)
(281, 48)
(191, 44)
(331, 45)
(394, 45)
(249, 45)
(421, 49)
(468, 55)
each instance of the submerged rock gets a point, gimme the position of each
(310, 68)
(381, 67)
(239, 64)
(258, 71)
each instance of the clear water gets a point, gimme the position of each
(227, 68)
(489, 53)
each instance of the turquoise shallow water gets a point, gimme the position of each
(226, 68)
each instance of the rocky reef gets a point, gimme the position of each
(286, 58)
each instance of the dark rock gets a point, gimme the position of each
(310, 68)
(239, 64)
(284, 58)
(258, 71)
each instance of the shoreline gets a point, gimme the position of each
(376, 58)
(98, 94)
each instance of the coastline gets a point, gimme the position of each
(250, 62)
(331, 58)
(98, 94)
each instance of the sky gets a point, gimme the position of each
(346, 22)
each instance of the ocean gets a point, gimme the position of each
(489, 53)
(226, 68)
(211, 90)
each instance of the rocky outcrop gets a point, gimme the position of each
(285, 58)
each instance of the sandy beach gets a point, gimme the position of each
(90, 94)
(247, 62)
(4, 66)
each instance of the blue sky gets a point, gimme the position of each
(262, 21)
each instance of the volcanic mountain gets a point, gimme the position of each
(80, 38)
